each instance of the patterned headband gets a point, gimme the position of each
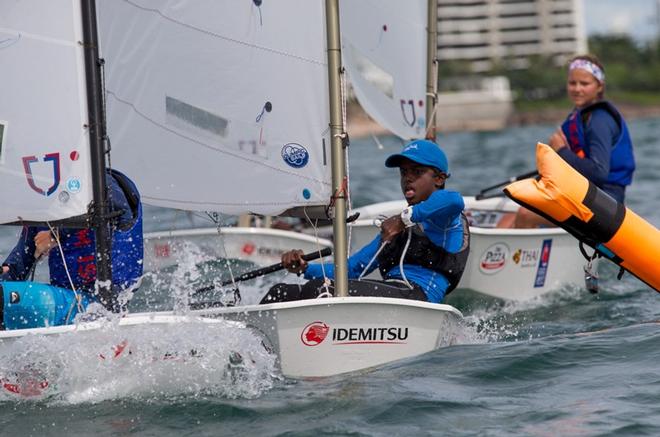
(592, 68)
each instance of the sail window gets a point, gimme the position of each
(372, 73)
(192, 118)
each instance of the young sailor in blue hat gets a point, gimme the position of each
(421, 252)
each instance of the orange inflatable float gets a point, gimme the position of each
(568, 199)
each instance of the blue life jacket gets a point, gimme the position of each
(423, 252)
(79, 245)
(622, 161)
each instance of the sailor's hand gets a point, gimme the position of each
(5, 269)
(391, 227)
(293, 261)
(558, 140)
(43, 242)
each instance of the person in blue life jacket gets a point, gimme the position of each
(71, 260)
(421, 253)
(594, 138)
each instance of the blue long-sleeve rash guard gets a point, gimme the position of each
(602, 133)
(439, 216)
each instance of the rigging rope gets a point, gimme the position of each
(326, 281)
(216, 219)
(403, 255)
(78, 301)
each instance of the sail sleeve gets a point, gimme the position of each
(385, 56)
(219, 105)
(44, 144)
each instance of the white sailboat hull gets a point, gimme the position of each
(260, 246)
(325, 337)
(312, 338)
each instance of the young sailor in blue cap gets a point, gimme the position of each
(421, 252)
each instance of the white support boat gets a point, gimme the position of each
(240, 135)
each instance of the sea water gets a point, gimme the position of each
(566, 363)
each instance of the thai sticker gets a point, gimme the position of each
(295, 155)
(526, 257)
(314, 333)
(494, 258)
(542, 270)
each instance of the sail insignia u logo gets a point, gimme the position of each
(54, 158)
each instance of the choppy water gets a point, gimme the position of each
(569, 363)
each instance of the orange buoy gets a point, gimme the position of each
(568, 199)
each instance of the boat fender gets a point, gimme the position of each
(566, 198)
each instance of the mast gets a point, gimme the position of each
(431, 67)
(337, 147)
(97, 134)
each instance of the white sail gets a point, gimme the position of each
(219, 105)
(384, 52)
(44, 145)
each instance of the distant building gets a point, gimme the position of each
(485, 32)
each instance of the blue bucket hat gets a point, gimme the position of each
(423, 152)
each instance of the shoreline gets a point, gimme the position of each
(361, 125)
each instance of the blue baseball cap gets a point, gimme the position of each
(423, 152)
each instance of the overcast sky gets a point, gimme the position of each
(636, 17)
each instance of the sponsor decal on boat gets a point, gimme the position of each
(542, 270)
(295, 155)
(314, 334)
(117, 350)
(380, 335)
(162, 250)
(274, 251)
(526, 257)
(252, 249)
(25, 383)
(494, 258)
(248, 248)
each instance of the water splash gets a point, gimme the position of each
(189, 357)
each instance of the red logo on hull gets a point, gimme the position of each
(248, 248)
(314, 333)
